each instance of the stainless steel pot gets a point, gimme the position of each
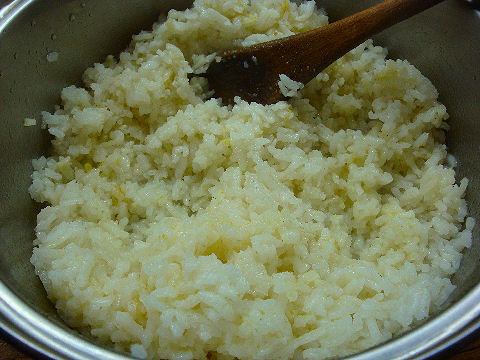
(444, 43)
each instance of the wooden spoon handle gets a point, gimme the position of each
(314, 50)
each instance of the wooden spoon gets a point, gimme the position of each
(253, 72)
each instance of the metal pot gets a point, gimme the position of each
(443, 42)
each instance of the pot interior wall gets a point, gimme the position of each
(443, 43)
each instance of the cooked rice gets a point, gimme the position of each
(178, 228)
(289, 87)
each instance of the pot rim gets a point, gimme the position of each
(42, 335)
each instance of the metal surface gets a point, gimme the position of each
(444, 43)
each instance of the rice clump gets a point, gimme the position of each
(178, 228)
(289, 87)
